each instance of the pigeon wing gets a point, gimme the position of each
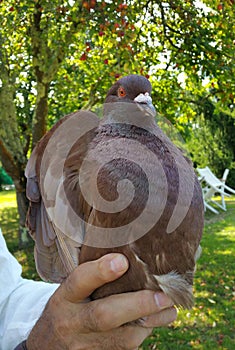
(53, 225)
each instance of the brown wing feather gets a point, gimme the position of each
(56, 253)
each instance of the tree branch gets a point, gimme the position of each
(8, 162)
(166, 26)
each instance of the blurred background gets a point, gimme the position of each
(60, 56)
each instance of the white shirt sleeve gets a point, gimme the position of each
(21, 301)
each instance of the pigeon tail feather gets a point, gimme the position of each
(177, 288)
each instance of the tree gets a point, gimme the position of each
(212, 142)
(59, 56)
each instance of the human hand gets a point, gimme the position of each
(70, 321)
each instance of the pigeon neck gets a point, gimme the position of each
(129, 113)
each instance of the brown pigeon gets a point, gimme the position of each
(116, 185)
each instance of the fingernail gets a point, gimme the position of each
(119, 263)
(162, 300)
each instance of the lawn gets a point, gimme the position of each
(9, 225)
(211, 323)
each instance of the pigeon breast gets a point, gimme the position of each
(117, 185)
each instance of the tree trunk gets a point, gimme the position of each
(22, 206)
(40, 113)
(13, 148)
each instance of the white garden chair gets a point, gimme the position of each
(214, 186)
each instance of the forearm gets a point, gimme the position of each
(21, 311)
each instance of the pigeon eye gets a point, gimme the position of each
(121, 92)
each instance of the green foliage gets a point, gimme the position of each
(81, 47)
(60, 56)
(211, 141)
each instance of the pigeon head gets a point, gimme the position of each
(131, 89)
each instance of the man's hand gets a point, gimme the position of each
(71, 322)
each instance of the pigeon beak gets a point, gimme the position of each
(145, 99)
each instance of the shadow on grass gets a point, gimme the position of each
(211, 217)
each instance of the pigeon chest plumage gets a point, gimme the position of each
(123, 186)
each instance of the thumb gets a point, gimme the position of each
(91, 275)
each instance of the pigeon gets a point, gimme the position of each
(116, 184)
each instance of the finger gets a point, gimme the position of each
(130, 337)
(91, 275)
(116, 310)
(160, 319)
(127, 337)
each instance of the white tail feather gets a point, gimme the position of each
(177, 288)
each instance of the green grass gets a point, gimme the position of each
(211, 323)
(9, 226)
